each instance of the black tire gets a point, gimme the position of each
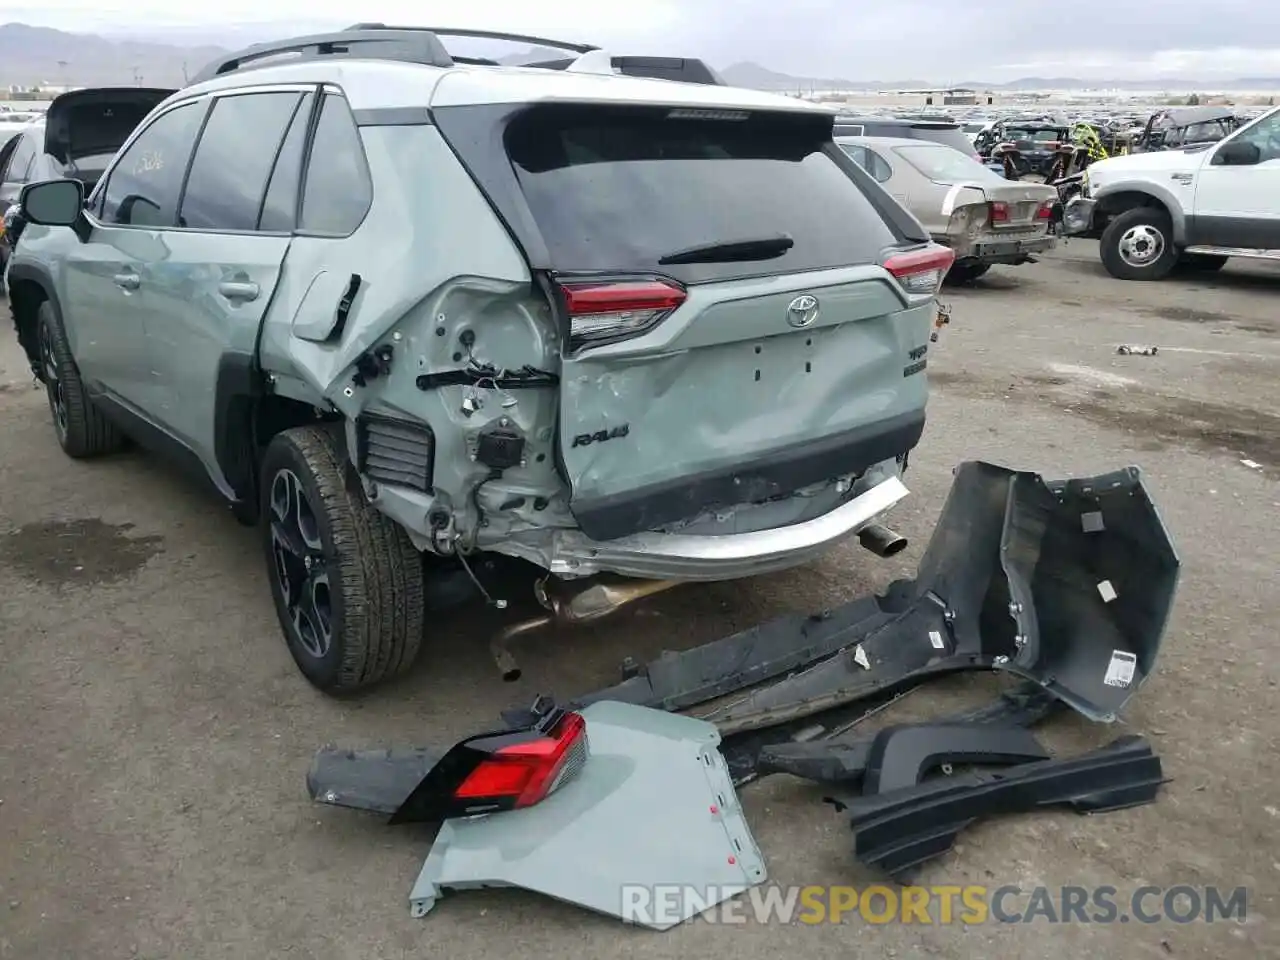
(82, 429)
(364, 575)
(1138, 245)
(1202, 262)
(966, 272)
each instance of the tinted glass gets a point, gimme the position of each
(944, 165)
(868, 160)
(22, 160)
(952, 137)
(233, 160)
(144, 184)
(280, 207)
(619, 189)
(1266, 135)
(338, 192)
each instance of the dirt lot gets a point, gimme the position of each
(154, 734)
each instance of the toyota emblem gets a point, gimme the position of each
(802, 311)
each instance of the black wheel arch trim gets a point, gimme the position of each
(31, 273)
(238, 388)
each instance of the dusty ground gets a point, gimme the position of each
(154, 733)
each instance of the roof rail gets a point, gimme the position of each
(655, 68)
(481, 35)
(407, 46)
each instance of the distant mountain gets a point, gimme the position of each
(164, 57)
(35, 55)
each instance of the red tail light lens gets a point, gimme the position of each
(999, 211)
(920, 272)
(1045, 212)
(522, 774)
(605, 311)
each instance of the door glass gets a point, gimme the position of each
(338, 192)
(22, 160)
(233, 160)
(1266, 135)
(144, 184)
(280, 206)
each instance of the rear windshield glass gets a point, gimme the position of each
(947, 136)
(945, 165)
(620, 189)
(1036, 136)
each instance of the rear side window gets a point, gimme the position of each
(952, 137)
(233, 160)
(620, 189)
(869, 161)
(144, 184)
(338, 191)
(280, 206)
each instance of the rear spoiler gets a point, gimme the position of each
(682, 69)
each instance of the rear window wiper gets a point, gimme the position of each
(728, 251)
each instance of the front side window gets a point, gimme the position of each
(233, 160)
(144, 184)
(1265, 134)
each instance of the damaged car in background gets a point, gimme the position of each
(983, 217)
(684, 339)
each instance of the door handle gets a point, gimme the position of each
(238, 289)
(128, 281)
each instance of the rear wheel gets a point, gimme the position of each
(966, 272)
(347, 581)
(81, 428)
(1138, 245)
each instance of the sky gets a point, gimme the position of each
(935, 40)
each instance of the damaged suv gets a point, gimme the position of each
(408, 312)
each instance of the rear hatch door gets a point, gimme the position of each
(732, 335)
(84, 128)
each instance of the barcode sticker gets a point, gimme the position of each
(1120, 670)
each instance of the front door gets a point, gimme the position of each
(107, 284)
(1239, 206)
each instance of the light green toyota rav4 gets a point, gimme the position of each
(409, 313)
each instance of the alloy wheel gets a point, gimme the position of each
(300, 569)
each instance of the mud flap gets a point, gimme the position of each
(1067, 584)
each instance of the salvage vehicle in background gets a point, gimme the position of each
(631, 332)
(1184, 126)
(983, 217)
(76, 137)
(1193, 207)
(1026, 146)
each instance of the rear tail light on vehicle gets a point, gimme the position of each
(500, 771)
(1045, 211)
(999, 211)
(603, 311)
(921, 272)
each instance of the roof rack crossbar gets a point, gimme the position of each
(483, 35)
(409, 46)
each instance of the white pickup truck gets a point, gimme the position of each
(1193, 207)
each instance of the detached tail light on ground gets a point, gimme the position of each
(521, 774)
(921, 272)
(500, 771)
(600, 312)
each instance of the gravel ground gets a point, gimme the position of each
(154, 733)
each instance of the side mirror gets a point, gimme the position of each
(53, 203)
(1238, 153)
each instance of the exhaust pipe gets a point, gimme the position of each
(881, 541)
(570, 606)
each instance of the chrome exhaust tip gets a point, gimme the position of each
(881, 541)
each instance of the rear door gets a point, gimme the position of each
(732, 335)
(234, 224)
